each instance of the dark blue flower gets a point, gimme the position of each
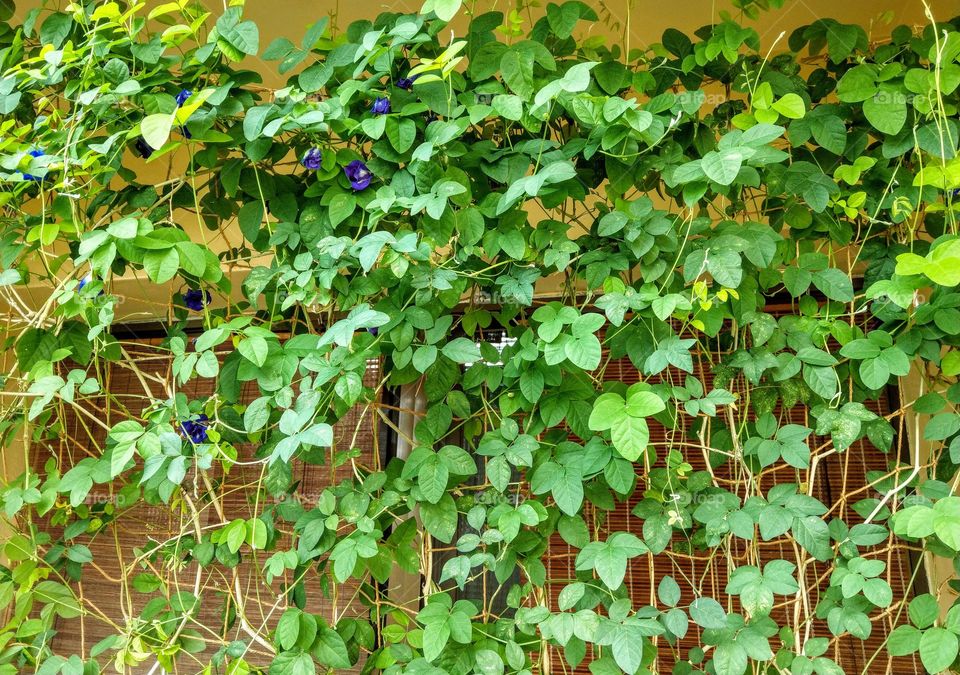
(34, 152)
(87, 279)
(406, 82)
(195, 429)
(312, 159)
(373, 331)
(381, 106)
(430, 117)
(186, 133)
(358, 174)
(196, 299)
(143, 148)
(183, 96)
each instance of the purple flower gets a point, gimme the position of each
(358, 174)
(196, 299)
(143, 148)
(373, 331)
(34, 152)
(183, 96)
(312, 159)
(406, 82)
(196, 429)
(381, 106)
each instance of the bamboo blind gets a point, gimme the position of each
(141, 524)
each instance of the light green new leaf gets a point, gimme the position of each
(790, 106)
(155, 129)
(630, 437)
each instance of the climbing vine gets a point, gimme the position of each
(680, 282)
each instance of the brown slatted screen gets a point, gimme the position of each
(840, 482)
(116, 548)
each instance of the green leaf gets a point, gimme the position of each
(584, 352)
(462, 350)
(161, 266)
(941, 265)
(627, 648)
(435, 638)
(568, 491)
(402, 133)
(642, 403)
(946, 521)
(903, 640)
(243, 36)
(432, 479)
(924, 610)
(835, 284)
(288, 628)
(790, 106)
(607, 409)
(886, 110)
(341, 207)
(120, 456)
(508, 106)
(857, 84)
(330, 649)
(257, 414)
(668, 591)
(722, 166)
(292, 663)
(254, 349)
(874, 373)
(729, 658)
(444, 9)
(440, 519)
(155, 129)
(813, 534)
(938, 649)
(630, 436)
(708, 613)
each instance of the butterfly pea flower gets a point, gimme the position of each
(87, 278)
(358, 174)
(196, 429)
(181, 99)
(406, 82)
(312, 159)
(143, 148)
(34, 152)
(196, 299)
(381, 106)
(373, 331)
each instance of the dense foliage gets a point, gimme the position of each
(499, 216)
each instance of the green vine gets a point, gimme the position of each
(506, 351)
